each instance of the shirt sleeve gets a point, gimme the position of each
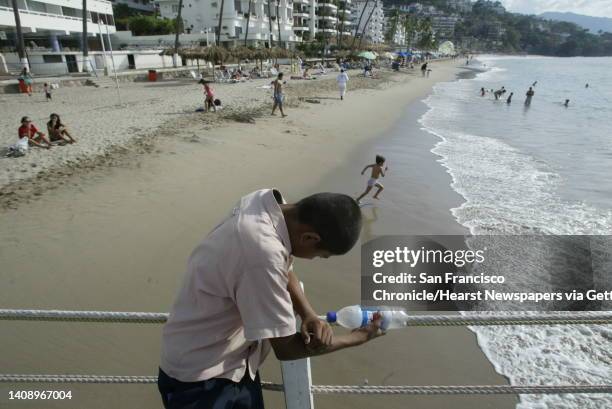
(264, 303)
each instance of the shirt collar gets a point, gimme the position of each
(273, 208)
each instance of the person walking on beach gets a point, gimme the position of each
(209, 96)
(482, 92)
(57, 130)
(342, 80)
(35, 137)
(424, 69)
(377, 171)
(530, 93)
(509, 99)
(277, 86)
(27, 79)
(47, 91)
(240, 297)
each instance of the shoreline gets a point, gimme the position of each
(119, 239)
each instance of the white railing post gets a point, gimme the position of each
(297, 381)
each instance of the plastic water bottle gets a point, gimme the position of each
(354, 317)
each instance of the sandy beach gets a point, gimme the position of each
(108, 224)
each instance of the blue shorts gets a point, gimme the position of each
(278, 98)
(216, 393)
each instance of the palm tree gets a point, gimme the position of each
(409, 27)
(246, 34)
(270, 23)
(390, 34)
(19, 33)
(220, 22)
(359, 22)
(178, 27)
(278, 23)
(85, 50)
(342, 20)
(366, 23)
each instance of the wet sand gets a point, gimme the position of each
(118, 239)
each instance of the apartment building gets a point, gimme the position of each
(265, 19)
(373, 20)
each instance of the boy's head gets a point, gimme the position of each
(380, 159)
(323, 225)
(25, 120)
(45, 84)
(280, 75)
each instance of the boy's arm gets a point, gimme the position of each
(293, 347)
(366, 168)
(322, 334)
(34, 142)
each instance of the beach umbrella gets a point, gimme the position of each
(368, 55)
(389, 56)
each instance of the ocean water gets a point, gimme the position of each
(538, 169)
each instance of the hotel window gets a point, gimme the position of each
(175, 8)
(52, 58)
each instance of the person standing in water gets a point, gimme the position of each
(566, 103)
(529, 95)
(509, 100)
(482, 92)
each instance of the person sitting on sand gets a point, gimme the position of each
(57, 130)
(342, 80)
(240, 298)
(377, 171)
(509, 100)
(209, 96)
(279, 97)
(35, 137)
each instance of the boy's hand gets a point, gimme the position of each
(369, 332)
(316, 333)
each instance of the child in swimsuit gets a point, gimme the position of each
(377, 171)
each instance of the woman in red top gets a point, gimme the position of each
(29, 130)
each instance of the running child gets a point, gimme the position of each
(377, 171)
(47, 92)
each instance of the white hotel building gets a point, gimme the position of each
(374, 31)
(52, 31)
(300, 20)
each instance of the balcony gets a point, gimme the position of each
(328, 5)
(301, 14)
(328, 18)
(301, 28)
(48, 21)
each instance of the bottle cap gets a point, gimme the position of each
(331, 317)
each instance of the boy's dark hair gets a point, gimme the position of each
(333, 216)
(380, 159)
(24, 118)
(280, 75)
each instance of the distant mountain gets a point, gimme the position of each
(593, 24)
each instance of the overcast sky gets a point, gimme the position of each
(599, 8)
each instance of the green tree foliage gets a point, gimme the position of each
(149, 25)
